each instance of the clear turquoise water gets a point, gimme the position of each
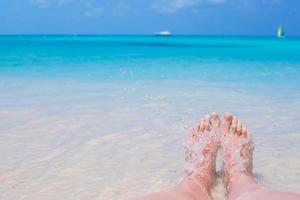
(231, 59)
(103, 117)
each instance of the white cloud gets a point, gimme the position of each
(121, 8)
(41, 3)
(171, 6)
(91, 8)
(63, 2)
(113, 7)
(48, 3)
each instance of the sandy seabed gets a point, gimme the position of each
(73, 139)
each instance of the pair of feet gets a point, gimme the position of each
(203, 143)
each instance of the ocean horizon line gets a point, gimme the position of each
(147, 35)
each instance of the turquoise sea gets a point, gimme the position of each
(104, 117)
(258, 60)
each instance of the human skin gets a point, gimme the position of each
(201, 149)
(239, 182)
(237, 148)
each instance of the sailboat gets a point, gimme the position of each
(280, 33)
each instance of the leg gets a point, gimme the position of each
(245, 187)
(186, 190)
(238, 149)
(201, 150)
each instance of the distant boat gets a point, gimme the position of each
(280, 32)
(163, 33)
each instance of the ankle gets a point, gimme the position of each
(194, 185)
(240, 183)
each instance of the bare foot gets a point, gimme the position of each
(237, 147)
(201, 151)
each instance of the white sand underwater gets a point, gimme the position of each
(118, 140)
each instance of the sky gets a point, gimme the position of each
(204, 17)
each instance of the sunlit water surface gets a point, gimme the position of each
(104, 117)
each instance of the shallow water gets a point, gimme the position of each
(103, 117)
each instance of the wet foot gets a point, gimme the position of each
(237, 148)
(201, 150)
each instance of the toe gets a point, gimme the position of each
(239, 128)
(195, 130)
(202, 125)
(207, 122)
(244, 131)
(228, 117)
(227, 122)
(249, 135)
(234, 125)
(207, 125)
(214, 115)
(215, 121)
